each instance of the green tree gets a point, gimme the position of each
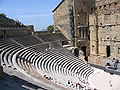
(50, 28)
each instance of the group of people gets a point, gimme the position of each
(50, 47)
(79, 86)
(48, 78)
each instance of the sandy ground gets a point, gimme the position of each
(105, 81)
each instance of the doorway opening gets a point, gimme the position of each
(85, 52)
(76, 52)
(108, 51)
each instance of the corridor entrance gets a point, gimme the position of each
(108, 51)
(85, 53)
(76, 52)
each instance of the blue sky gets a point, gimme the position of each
(30, 12)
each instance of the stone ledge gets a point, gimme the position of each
(1, 72)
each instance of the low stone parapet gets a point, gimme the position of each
(1, 72)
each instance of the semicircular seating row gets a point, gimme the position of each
(55, 60)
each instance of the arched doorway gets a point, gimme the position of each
(76, 52)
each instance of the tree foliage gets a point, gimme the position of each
(50, 28)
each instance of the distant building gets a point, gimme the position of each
(71, 18)
(105, 31)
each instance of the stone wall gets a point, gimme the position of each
(73, 22)
(1, 71)
(30, 27)
(9, 32)
(104, 33)
(82, 10)
(106, 2)
(10, 27)
(109, 34)
(61, 19)
(74, 14)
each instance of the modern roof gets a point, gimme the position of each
(58, 5)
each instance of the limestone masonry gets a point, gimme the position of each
(71, 18)
(104, 26)
(92, 26)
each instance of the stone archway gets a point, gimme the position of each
(76, 52)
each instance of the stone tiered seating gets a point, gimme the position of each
(46, 57)
(71, 62)
(8, 49)
(56, 58)
(6, 21)
(48, 37)
(27, 40)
